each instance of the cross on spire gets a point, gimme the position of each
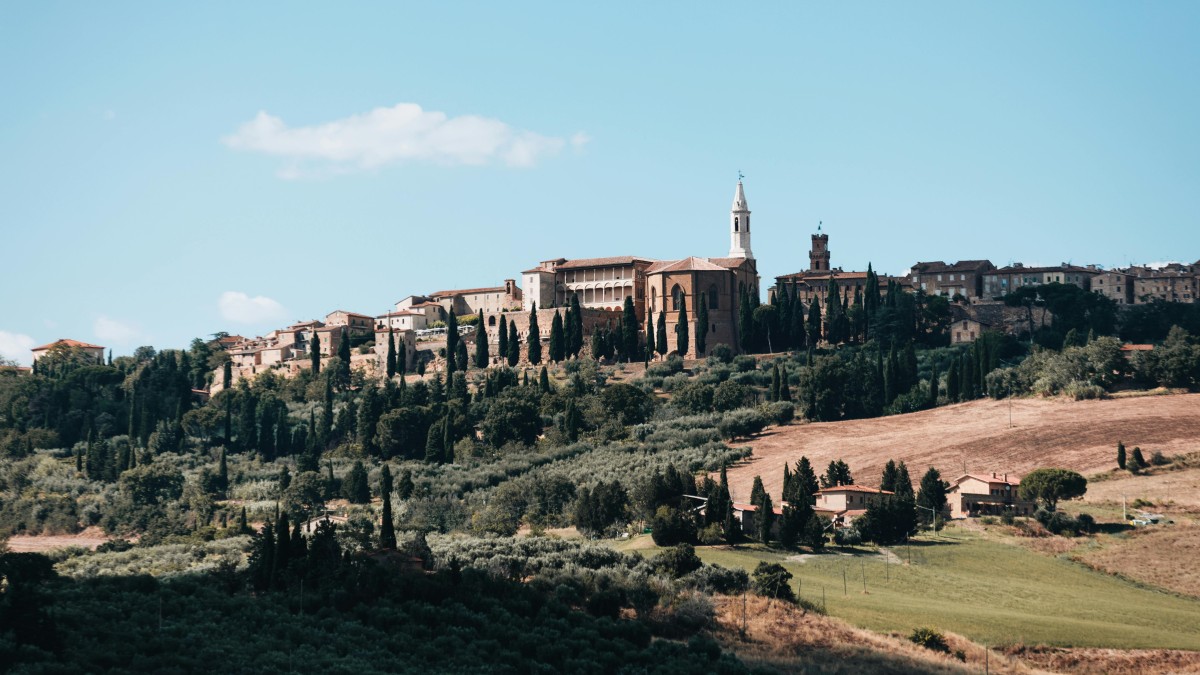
(740, 176)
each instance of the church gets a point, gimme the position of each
(659, 286)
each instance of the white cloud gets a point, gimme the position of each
(16, 346)
(111, 330)
(402, 133)
(241, 308)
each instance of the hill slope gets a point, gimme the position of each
(1079, 435)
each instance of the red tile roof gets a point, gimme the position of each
(603, 262)
(468, 291)
(1014, 481)
(853, 488)
(690, 264)
(66, 342)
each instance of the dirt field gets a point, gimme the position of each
(976, 436)
(89, 539)
(1162, 556)
(1170, 491)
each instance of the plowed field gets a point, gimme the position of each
(977, 437)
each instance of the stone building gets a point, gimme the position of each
(355, 323)
(814, 282)
(964, 277)
(600, 283)
(1115, 285)
(95, 351)
(1170, 283)
(473, 300)
(1000, 282)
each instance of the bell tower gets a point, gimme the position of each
(739, 225)
(818, 257)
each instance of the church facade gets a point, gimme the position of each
(660, 287)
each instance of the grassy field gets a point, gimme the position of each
(988, 591)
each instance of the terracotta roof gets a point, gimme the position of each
(659, 265)
(854, 488)
(347, 313)
(824, 276)
(691, 264)
(425, 304)
(1014, 481)
(777, 510)
(960, 266)
(539, 270)
(468, 291)
(403, 312)
(1136, 348)
(602, 262)
(66, 342)
(731, 263)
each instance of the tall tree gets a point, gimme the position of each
(650, 346)
(661, 333)
(557, 339)
(344, 354)
(888, 481)
(451, 332)
(502, 336)
(535, 338)
(387, 529)
(514, 345)
(702, 326)
(932, 495)
(682, 338)
(481, 343)
(629, 330)
(391, 353)
(314, 353)
(745, 322)
(904, 489)
(813, 329)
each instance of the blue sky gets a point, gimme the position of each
(157, 157)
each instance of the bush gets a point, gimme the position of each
(929, 639)
(678, 561)
(670, 527)
(721, 353)
(1007, 518)
(741, 423)
(846, 537)
(770, 580)
(780, 412)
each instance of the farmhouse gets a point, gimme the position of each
(95, 351)
(844, 503)
(972, 495)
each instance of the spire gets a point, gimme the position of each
(739, 224)
(739, 198)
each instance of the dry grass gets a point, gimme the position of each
(1170, 491)
(1163, 556)
(784, 638)
(1079, 435)
(89, 539)
(1109, 661)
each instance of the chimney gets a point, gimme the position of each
(993, 474)
(1005, 478)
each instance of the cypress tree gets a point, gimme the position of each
(535, 338)
(461, 360)
(433, 442)
(514, 346)
(952, 381)
(223, 472)
(934, 378)
(226, 374)
(557, 338)
(576, 328)
(391, 353)
(344, 355)
(775, 382)
(813, 329)
(502, 336)
(283, 549)
(888, 481)
(405, 487)
(682, 332)
(764, 519)
(702, 326)
(785, 391)
(661, 333)
(243, 524)
(326, 431)
(544, 381)
(314, 354)
(650, 348)
(1120, 455)
(629, 330)
(745, 322)
(904, 489)
(481, 343)
(387, 529)
(451, 332)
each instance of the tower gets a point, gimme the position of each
(739, 225)
(818, 257)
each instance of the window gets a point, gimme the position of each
(713, 297)
(735, 224)
(676, 296)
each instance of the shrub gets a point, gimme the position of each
(987, 520)
(742, 423)
(847, 537)
(678, 561)
(780, 412)
(929, 639)
(721, 353)
(1157, 459)
(1007, 517)
(745, 363)
(770, 580)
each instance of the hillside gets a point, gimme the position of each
(1079, 435)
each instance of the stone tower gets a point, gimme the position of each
(739, 226)
(818, 257)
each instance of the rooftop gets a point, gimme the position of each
(602, 262)
(66, 342)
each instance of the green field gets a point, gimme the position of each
(991, 592)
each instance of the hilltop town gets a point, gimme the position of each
(599, 288)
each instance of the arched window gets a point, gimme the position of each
(653, 299)
(747, 223)
(491, 321)
(676, 296)
(735, 224)
(713, 297)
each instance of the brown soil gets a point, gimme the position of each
(89, 539)
(785, 638)
(1109, 661)
(1160, 555)
(1078, 435)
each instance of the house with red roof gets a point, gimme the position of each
(95, 351)
(976, 495)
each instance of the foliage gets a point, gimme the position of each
(772, 580)
(1048, 486)
(929, 639)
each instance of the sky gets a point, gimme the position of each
(170, 170)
